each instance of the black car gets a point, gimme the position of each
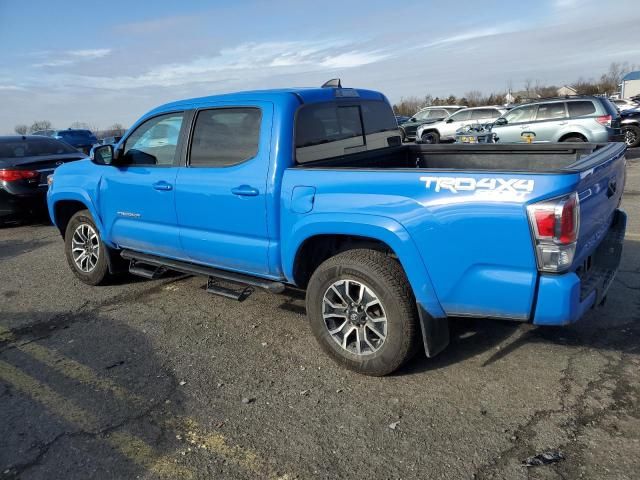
(631, 128)
(25, 163)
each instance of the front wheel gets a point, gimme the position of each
(86, 253)
(362, 311)
(574, 140)
(430, 137)
(632, 136)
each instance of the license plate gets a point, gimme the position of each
(468, 139)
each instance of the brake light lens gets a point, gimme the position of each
(555, 226)
(604, 120)
(15, 175)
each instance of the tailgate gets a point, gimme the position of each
(602, 179)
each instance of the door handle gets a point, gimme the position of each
(563, 123)
(245, 191)
(162, 186)
(524, 127)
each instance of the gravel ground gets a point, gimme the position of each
(158, 379)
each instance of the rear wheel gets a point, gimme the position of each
(573, 139)
(430, 137)
(362, 311)
(86, 253)
(632, 136)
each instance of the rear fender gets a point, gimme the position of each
(379, 228)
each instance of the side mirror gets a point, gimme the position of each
(102, 154)
(449, 120)
(501, 121)
(413, 119)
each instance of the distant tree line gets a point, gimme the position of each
(115, 130)
(607, 84)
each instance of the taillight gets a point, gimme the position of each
(555, 226)
(604, 120)
(15, 175)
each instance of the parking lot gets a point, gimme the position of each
(159, 379)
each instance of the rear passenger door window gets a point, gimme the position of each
(327, 130)
(154, 142)
(551, 111)
(484, 114)
(581, 108)
(223, 137)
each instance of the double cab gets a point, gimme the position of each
(313, 189)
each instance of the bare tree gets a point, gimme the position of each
(474, 98)
(528, 83)
(408, 106)
(21, 129)
(80, 126)
(117, 130)
(40, 125)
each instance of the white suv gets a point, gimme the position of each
(445, 130)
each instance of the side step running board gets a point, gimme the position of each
(144, 270)
(194, 269)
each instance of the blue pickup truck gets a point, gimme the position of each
(313, 189)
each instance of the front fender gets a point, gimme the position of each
(379, 228)
(77, 195)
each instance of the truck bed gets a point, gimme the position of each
(537, 158)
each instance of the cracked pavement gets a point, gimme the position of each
(145, 379)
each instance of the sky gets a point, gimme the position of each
(107, 62)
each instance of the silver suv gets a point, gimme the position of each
(567, 119)
(445, 130)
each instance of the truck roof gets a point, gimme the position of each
(304, 95)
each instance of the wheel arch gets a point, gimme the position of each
(63, 205)
(573, 134)
(318, 239)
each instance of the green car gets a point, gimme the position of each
(426, 115)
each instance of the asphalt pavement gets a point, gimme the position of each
(159, 379)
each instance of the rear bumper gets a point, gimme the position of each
(563, 299)
(15, 205)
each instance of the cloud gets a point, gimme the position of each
(248, 60)
(89, 53)
(69, 57)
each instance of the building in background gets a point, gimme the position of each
(630, 85)
(565, 90)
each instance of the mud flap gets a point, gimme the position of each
(435, 332)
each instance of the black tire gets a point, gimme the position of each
(631, 135)
(99, 274)
(574, 139)
(385, 277)
(430, 137)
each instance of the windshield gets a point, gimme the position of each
(33, 147)
(422, 115)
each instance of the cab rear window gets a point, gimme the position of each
(329, 130)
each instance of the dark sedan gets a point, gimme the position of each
(25, 163)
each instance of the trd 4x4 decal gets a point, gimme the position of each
(494, 185)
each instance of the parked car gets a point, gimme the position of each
(25, 163)
(631, 128)
(424, 116)
(81, 139)
(312, 188)
(445, 130)
(402, 118)
(563, 119)
(625, 104)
